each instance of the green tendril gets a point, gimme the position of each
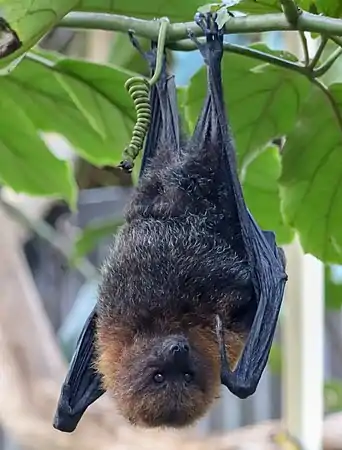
(139, 90)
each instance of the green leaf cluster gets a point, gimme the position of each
(85, 102)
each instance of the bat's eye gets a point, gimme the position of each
(158, 377)
(188, 377)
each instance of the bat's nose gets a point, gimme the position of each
(179, 348)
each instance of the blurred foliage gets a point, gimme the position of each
(332, 388)
(90, 236)
(333, 395)
(333, 287)
(177, 10)
(332, 8)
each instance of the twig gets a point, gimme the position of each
(47, 232)
(319, 52)
(187, 45)
(321, 70)
(305, 48)
(331, 100)
(291, 11)
(177, 31)
(338, 41)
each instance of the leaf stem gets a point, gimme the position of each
(323, 68)
(305, 48)
(318, 54)
(331, 100)
(177, 31)
(338, 41)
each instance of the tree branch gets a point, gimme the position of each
(187, 45)
(177, 31)
(291, 11)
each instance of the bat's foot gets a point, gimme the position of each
(136, 44)
(213, 48)
(150, 56)
(207, 23)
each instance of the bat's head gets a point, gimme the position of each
(164, 381)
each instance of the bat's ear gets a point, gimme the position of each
(82, 385)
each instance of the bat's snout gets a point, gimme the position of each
(177, 348)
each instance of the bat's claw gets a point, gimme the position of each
(207, 23)
(134, 41)
(214, 36)
(149, 56)
(194, 39)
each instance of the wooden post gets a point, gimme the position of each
(303, 336)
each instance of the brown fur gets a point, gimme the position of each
(118, 352)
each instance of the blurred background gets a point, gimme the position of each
(46, 296)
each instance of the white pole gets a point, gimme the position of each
(303, 339)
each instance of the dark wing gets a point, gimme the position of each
(164, 130)
(82, 385)
(266, 261)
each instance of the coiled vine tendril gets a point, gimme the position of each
(139, 90)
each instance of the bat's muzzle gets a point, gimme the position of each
(177, 349)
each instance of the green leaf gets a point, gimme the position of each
(262, 101)
(217, 7)
(307, 5)
(26, 164)
(222, 17)
(332, 8)
(312, 175)
(333, 287)
(176, 11)
(275, 358)
(85, 102)
(28, 21)
(123, 54)
(91, 235)
(209, 8)
(261, 192)
(258, 6)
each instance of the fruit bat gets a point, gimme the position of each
(192, 287)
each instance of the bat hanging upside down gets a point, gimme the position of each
(192, 288)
